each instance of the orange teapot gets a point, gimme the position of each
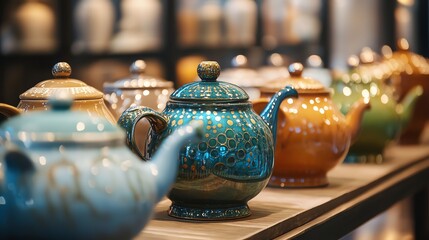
(317, 136)
(410, 70)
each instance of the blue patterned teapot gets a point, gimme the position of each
(66, 175)
(232, 163)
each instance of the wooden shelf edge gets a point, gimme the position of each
(362, 208)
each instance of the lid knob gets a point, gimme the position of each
(208, 71)
(61, 70)
(314, 61)
(239, 61)
(367, 55)
(353, 61)
(403, 44)
(60, 101)
(386, 51)
(295, 69)
(138, 67)
(276, 60)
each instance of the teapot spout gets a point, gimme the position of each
(269, 114)
(354, 117)
(164, 163)
(406, 107)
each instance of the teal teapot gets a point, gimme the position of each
(66, 175)
(383, 123)
(234, 160)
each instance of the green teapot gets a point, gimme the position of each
(383, 123)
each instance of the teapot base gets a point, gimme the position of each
(205, 213)
(365, 158)
(298, 182)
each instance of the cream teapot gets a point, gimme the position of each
(85, 97)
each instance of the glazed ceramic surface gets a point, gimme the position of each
(232, 163)
(313, 136)
(86, 98)
(383, 122)
(412, 70)
(70, 176)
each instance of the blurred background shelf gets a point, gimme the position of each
(333, 29)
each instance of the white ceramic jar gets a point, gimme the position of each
(240, 19)
(94, 21)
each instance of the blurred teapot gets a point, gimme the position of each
(387, 117)
(86, 98)
(246, 78)
(410, 70)
(67, 175)
(137, 89)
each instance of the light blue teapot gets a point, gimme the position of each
(66, 175)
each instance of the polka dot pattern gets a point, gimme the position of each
(236, 144)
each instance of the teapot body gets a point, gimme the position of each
(76, 192)
(95, 107)
(315, 139)
(136, 90)
(230, 165)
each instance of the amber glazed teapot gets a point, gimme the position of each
(413, 71)
(86, 98)
(317, 136)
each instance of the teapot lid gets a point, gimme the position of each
(296, 80)
(209, 89)
(240, 74)
(275, 69)
(138, 79)
(60, 124)
(412, 62)
(61, 82)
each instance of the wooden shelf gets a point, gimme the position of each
(356, 193)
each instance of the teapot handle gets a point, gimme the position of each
(14, 161)
(8, 110)
(129, 119)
